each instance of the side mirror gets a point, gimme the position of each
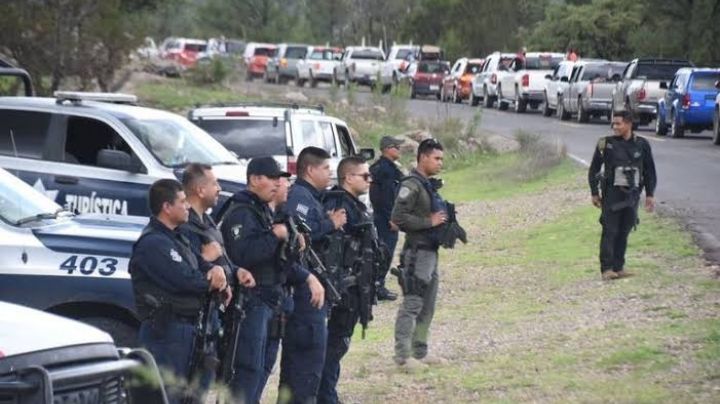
(118, 160)
(717, 84)
(564, 79)
(663, 85)
(368, 154)
(548, 77)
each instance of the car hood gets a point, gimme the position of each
(24, 330)
(93, 234)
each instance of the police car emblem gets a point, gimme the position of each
(175, 255)
(302, 209)
(236, 231)
(404, 192)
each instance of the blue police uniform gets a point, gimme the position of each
(303, 352)
(344, 316)
(251, 244)
(383, 190)
(169, 286)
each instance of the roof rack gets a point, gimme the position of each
(288, 105)
(77, 97)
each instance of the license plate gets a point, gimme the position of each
(434, 88)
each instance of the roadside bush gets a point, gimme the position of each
(537, 155)
(215, 71)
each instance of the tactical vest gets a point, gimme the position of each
(151, 298)
(615, 159)
(268, 273)
(437, 204)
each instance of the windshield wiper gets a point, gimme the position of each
(42, 216)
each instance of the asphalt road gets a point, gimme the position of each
(688, 168)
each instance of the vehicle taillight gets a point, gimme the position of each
(237, 113)
(641, 94)
(493, 79)
(526, 80)
(590, 89)
(686, 101)
(292, 165)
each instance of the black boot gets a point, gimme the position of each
(384, 294)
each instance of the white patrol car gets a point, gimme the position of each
(48, 359)
(92, 153)
(278, 130)
(75, 266)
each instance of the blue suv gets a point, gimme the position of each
(688, 103)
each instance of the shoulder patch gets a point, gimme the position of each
(236, 231)
(302, 209)
(404, 192)
(175, 256)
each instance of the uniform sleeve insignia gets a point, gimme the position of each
(236, 231)
(302, 209)
(175, 255)
(404, 192)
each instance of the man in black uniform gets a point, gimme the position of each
(252, 240)
(358, 261)
(383, 190)
(628, 169)
(170, 282)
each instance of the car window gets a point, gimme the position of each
(680, 82)
(473, 68)
(657, 71)
(18, 200)
(85, 137)
(328, 137)
(177, 142)
(575, 73)
(543, 62)
(403, 53)
(367, 55)
(296, 52)
(23, 133)
(11, 86)
(264, 52)
(345, 141)
(195, 47)
(248, 138)
(705, 81)
(309, 135)
(601, 71)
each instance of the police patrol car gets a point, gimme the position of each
(49, 359)
(95, 153)
(74, 266)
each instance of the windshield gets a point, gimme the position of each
(430, 67)
(705, 81)
(542, 62)
(19, 200)
(657, 71)
(296, 52)
(248, 138)
(473, 68)
(195, 47)
(602, 70)
(402, 54)
(367, 55)
(176, 142)
(264, 52)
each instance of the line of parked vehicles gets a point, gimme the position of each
(673, 93)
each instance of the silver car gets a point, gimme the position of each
(590, 91)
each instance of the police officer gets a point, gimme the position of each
(202, 190)
(288, 255)
(303, 348)
(354, 177)
(252, 240)
(419, 211)
(170, 282)
(386, 181)
(628, 169)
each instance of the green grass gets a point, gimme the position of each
(180, 95)
(491, 178)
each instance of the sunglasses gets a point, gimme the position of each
(429, 142)
(366, 176)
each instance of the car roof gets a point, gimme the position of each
(538, 54)
(119, 111)
(663, 61)
(259, 111)
(698, 70)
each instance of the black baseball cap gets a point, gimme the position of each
(266, 166)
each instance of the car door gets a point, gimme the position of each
(571, 96)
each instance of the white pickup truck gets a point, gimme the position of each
(318, 65)
(523, 83)
(394, 69)
(360, 65)
(589, 93)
